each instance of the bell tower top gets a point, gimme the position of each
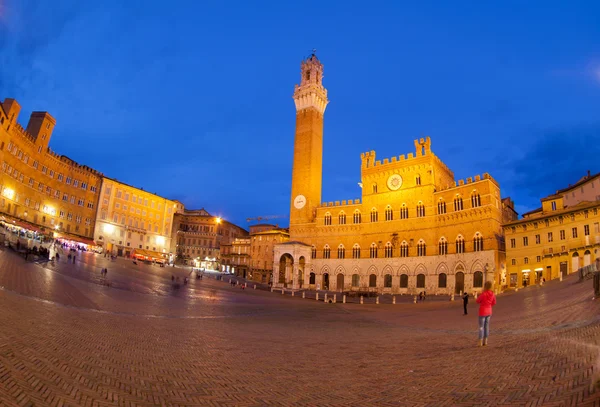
(311, 93)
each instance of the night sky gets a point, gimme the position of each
(193, 99)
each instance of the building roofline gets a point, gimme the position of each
(582, 181)
(580, 206)
(132, 186)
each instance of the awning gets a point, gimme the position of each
(77, 239)
(24, 225)
(150, 254)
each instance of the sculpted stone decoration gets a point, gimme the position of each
(394, 182)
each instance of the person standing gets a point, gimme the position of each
(486, 301)
(465, 301)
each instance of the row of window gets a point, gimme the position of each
(403, 280)
(45, 188)
(133, 222)
(388, 249)
(560, 220)
(389, 213)
(562, 235)
(136, 211)
(136, 199)
(14, 150)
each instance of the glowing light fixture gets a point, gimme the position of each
(9, 193)
(218, 220)
(109, 229)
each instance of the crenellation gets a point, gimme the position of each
(386, 161)
(461, 182)
(343, 202)
(477, 178)
(469, 180)
(394, 159)
(410, 155)
(337, 203)
(402, 157)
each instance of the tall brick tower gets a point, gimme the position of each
(310, 98)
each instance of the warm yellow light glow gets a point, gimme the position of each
(109, 229)
(9, 193)
(56, 227)
(160, 240)
(218, 220)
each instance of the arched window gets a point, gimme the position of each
(389, 214)
(356, 251)
(311, 278)
(475, 199)
(478, 242)
(526, 260)
(374, 188)
(478, 279)
(403, 212)
(313, 252)
(460, 244)
(443, 246)
(373, 251)
(372, 280)
(355, 280)
(442, 280)
(389, 250)
(418, 180)
(421, 248)
(420, 210)
(357, 217)
(326, 252)
(387, 281)
(421, 281)
(327, 219)
(374, 216)
(458, 203)
(341, 251)
(342, 218)
(441, 207)
(404, 281)
(404, 249)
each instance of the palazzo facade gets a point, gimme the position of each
(414, 229)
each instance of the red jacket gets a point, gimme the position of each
(486, 301)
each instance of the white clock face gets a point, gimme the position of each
(299, 202)
(394, 182)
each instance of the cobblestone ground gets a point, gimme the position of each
(66, 338)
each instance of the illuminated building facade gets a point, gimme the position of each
(263, 239)
(197, 237)
(47, 191)
(415, 228)
(131, 219)
(558, 238)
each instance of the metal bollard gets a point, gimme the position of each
(415, 300)
(344, 299)
(560, 277)
(461, 293)
(361, 299)
(394, 299)
(292, 293)
(303, 294)
(255, 286)
(377, 300)
(517, 289)
(452, 297)
(334, 298)
(325, 297)
(475, 295)
(282, 292)
(317, 298)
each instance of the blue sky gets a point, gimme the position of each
(193, 99)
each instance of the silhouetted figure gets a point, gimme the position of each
(465, 302)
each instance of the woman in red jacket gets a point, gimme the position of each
(486, 301)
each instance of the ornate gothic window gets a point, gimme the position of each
(373, 251)
(327, 219)
(374, 216)
(357, 216)
(460, 244)
(355, 280)
(326, 252)
(478, 279)
(478, 243)
(475, 199)
(403, 212)
(374, 188)
(404, 281)
(442, 278)
(387, 281)
(342, 218)
(420, 210)
(418, 180)
(404, 249)
(341, 251)
(313, 252)
(356, 251)
(389, 214)
(458, 203)
(441, 207)
(443, 246)
(389, 250)
(421, 248)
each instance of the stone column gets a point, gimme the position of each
(295, 269)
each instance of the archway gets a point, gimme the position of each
(587, 258)
(311, 279)
(459, 282)
(340, 282)
(575, 262)
(301, 264)
(286, 264)
(325, 285)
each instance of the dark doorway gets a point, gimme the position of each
(460, 282)
(340, 282)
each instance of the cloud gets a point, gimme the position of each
(557, 158)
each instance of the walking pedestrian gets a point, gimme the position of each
(465, 298)
(486, 301)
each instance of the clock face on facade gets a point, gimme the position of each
(394, 182)
(299, 202)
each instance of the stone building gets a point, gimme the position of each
(263, 239)
(197, 237)
(44, 191)
(132, 221)
(235, 256)
(558, 238)
(414, 229)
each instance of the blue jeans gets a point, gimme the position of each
(484, 326)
